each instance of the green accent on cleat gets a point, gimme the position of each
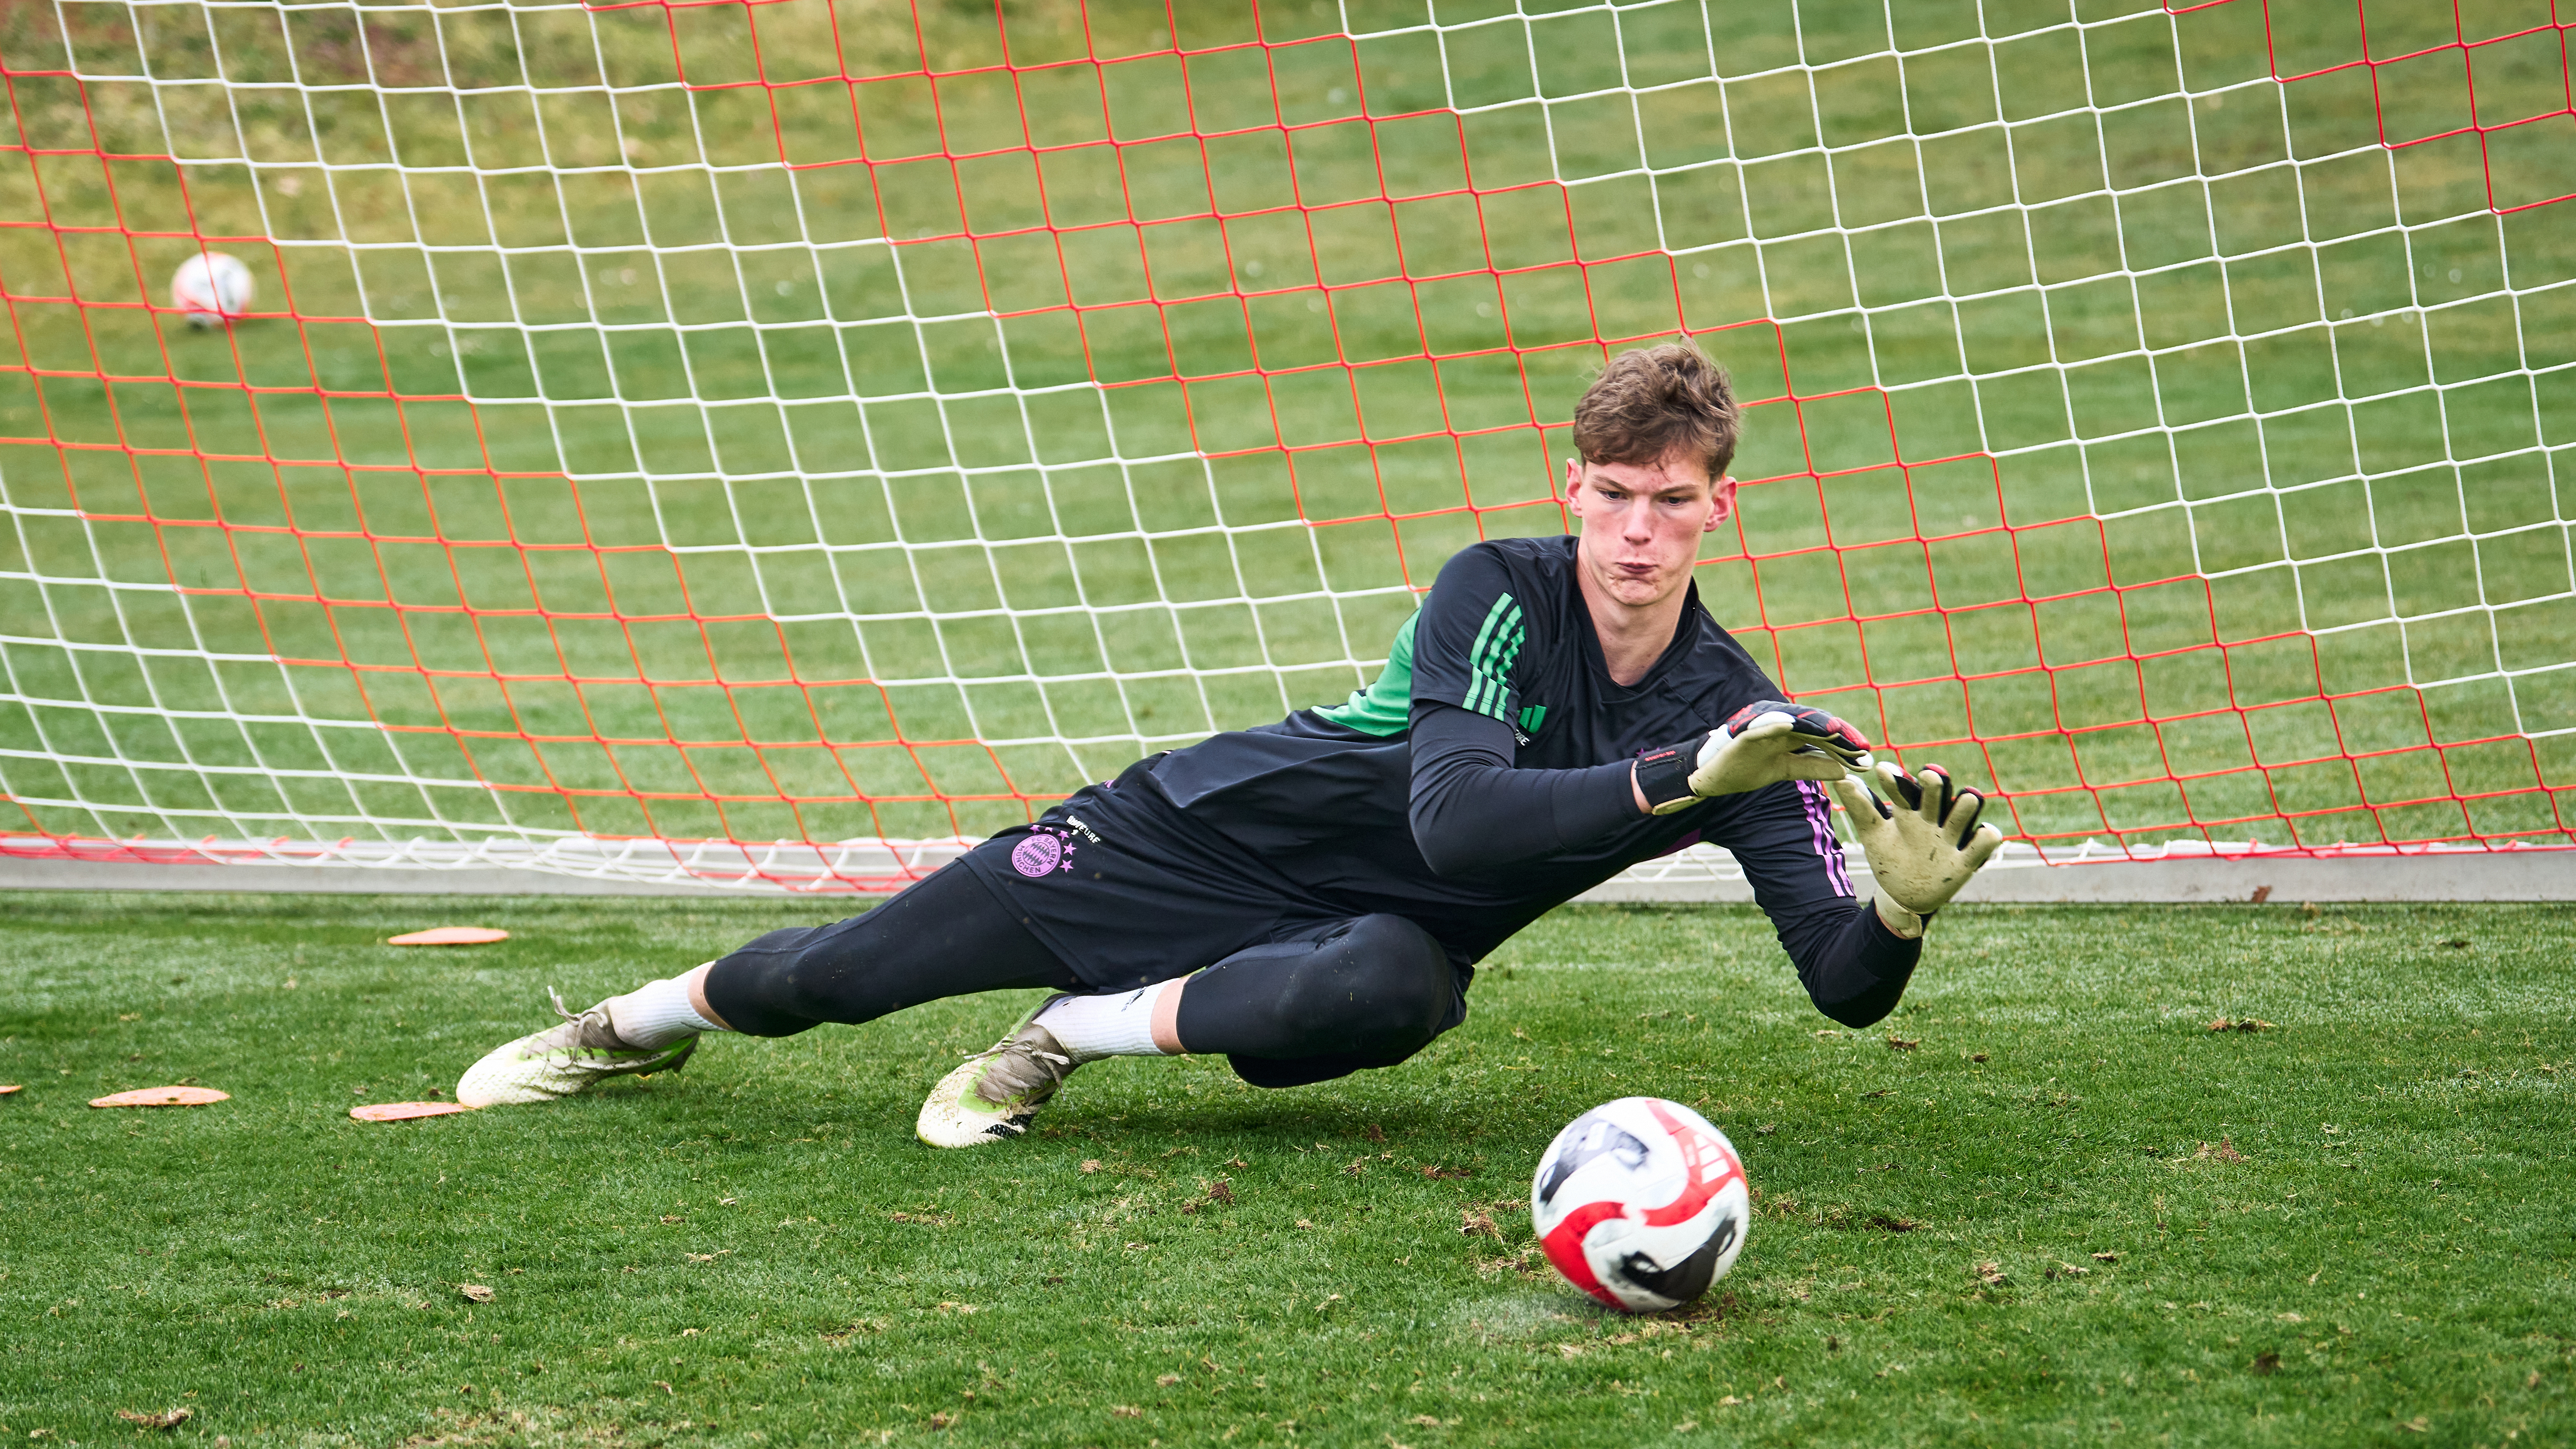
(568, 1057)
(994, 1094)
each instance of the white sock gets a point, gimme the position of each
(657, 1014)
(1119, 1024)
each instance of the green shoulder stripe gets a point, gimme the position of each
(1490, 660)
(1386, 707)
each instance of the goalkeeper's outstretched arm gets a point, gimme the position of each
(1855, 958)
(1854, 967)
(1473, 811)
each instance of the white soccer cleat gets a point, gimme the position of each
(993, 1094)
(563, 1059)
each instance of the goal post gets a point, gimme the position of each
(770, 444)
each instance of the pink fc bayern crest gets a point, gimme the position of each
(1037, 855)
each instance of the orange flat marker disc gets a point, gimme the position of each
(405, 1111)
(13, 1087)
(450, 936)
(162, 1097)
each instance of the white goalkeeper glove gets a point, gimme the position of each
(1922, 851)
(1764, 743)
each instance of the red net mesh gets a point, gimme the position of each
(1258, 320)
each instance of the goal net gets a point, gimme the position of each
(770, 443)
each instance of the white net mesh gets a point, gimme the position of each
(770, 443)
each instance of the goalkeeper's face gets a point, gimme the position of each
(1642, 524)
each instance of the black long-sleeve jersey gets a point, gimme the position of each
(1481, 781)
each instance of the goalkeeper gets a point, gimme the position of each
(1310, 898)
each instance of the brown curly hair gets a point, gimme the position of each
(1656, 401)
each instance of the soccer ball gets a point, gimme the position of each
(1641, 1203)
(213, 288)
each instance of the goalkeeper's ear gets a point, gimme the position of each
(1721, 493)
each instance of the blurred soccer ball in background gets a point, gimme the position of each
(1641, 1203)
(213, 288)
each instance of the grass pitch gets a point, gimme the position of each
(2066, 1210)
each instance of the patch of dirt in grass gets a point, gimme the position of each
(535, 1428)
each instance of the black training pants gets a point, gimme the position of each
(1352, 994)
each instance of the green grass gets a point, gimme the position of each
(2367, 1199)
(731, 366)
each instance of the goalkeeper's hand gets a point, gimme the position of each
(1764, 743)
(1922, 851)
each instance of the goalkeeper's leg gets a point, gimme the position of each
(1337, 998)
(945, 936)
(1362, 993)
